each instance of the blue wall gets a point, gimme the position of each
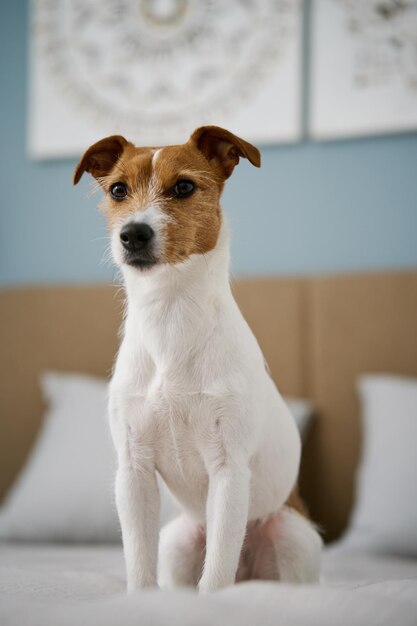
(337, 206)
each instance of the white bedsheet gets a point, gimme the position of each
(84, 585)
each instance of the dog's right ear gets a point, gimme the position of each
(224, 148)
(101, 157)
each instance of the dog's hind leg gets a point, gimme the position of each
(182, 546)
(289, 549)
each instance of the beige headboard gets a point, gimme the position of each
(318, 335)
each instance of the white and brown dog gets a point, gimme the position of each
(190, 397)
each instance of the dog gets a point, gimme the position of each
(190, 397)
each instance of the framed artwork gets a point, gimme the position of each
(153, 70)
(363, 67)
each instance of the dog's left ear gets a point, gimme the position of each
(101, 157)
(224, 148)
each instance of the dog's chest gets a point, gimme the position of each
(179, 417)
(174, 416)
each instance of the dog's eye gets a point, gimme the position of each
(118, 191)
(183, 188)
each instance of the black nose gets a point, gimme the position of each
(135, 236)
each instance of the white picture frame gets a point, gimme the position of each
(363, 68)
(154, 70)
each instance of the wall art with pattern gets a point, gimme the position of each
(153, 70)
(363, 67)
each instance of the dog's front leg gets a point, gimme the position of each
(138, 504)
(137, 492)
(227, 514)
(137, 498)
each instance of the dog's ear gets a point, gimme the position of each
(224, 148)
(101, 157)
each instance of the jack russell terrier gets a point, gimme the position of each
(190, 397)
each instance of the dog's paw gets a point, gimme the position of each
(210, 584)
(134, 586)
(204, 589)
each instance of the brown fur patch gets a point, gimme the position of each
(194, 222)
(134, 169)
(295, 502)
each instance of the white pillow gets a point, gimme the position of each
(65, 491)
(302, 411)
(385, 514)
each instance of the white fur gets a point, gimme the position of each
(190, 398)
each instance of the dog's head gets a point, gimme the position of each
(162, 204)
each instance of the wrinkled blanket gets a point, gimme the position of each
(47, 585)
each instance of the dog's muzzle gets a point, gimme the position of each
(138, 242)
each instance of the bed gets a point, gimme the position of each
(70, 585)
(318, 335)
